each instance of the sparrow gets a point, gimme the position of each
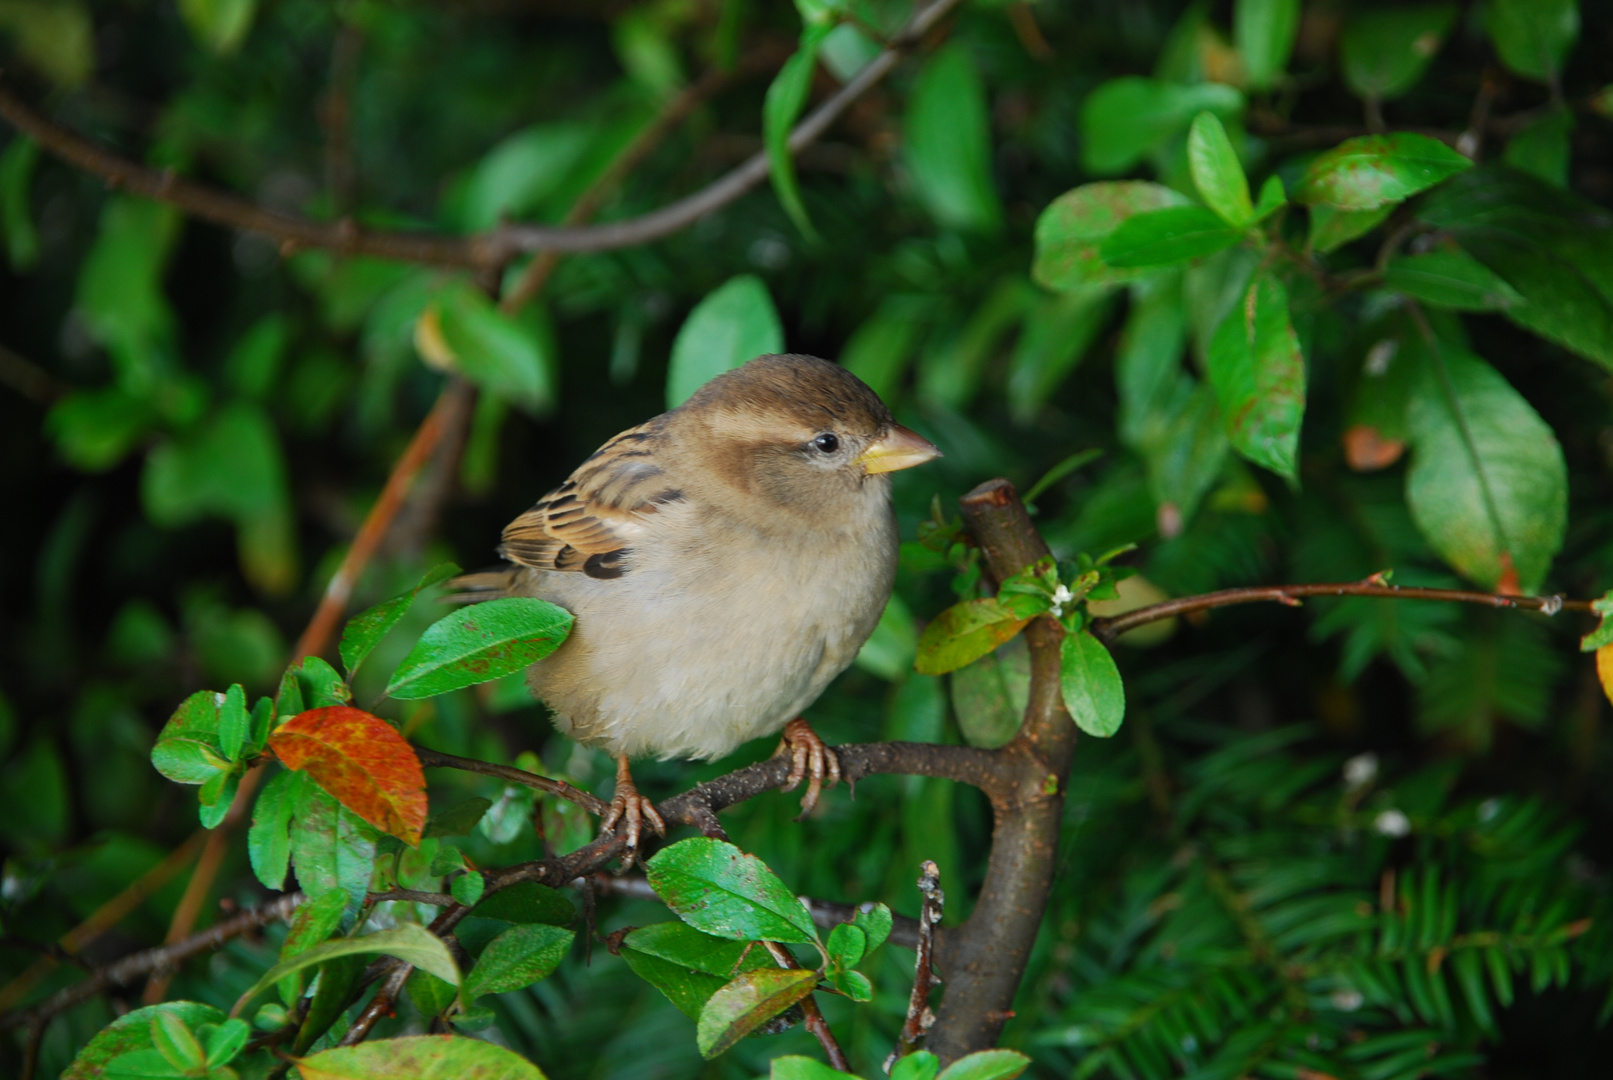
(724, 562)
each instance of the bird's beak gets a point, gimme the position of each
(899, 449)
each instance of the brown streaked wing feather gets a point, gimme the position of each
(587, 523)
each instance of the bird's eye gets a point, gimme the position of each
(827, 442)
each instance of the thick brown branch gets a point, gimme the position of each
(163, 958)
(1110, 628)
(485, 251)
(985, 958)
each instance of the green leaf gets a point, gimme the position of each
(365, 631)
(987, 1065)
(1487, 486)
(460, 820)
(734, 323)
(467, 887)
(173, 1039)
(331, 847)
(919, 1065)
(1259, 377)
(847, 944)
(429, 994)
(314, 922)
(889, 650)
(120, 289)
(1056, 337)
(410, 943)
(786, 96)
(1386, 52)
(1217, 173)
(479, 643)
(55, 36)
(268, 839)
(419, 1057)
(96, 429)
(319, 686)
(686, 965)
(1542, 149)
(1264, 31)
(1071, 229)
(335, 983)
(1603, 634)
(748, 1002)
(715, 887)
(853, 984)
(874, 920)
(1553, 247)
(1450, 279)
(523, 172)
(1332, 228)
(527, 902)
(1533, 36)
(795, 1067)
(963, 633)
(131, 1033)
(187, 750)
(232, 722)
(1091, 685)
(1373, 170)
(518, 957)
(948, 143)
(218, 25)
(989, 696)
(225, 1041)
(1273, 197)
(1125, 119)
(1162, 237)
(512, 356)
(16, 216)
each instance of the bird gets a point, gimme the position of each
(723, 562)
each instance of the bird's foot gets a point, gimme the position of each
(810, 760)
(632, 811)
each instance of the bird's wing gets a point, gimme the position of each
(590, 522)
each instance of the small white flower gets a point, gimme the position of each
(1061, 596)
(1361, 770)
(1392, 823)
(1347, 1000)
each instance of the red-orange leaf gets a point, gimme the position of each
(362, 761)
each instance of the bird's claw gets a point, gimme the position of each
(632, 811)
(811, 760)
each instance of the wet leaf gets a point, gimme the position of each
(1450, 279)
(480, 643)
(1259, 377)
(1162, 237)
(715, 887)
(1386, 52)
(410, 943)
(1217, 173)
(736, 322)
(1488, 485)
(1071, 229)
(1374, 170)
(518, 957)
(1090, 683)
(365, 630)
(748, 1002)
(963, 633)
(362, 761)
(419, 1057)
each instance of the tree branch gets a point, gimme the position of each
(985, 958)
(433, 759)
(163, 958)
(919, 1017)
(1107, 629)
(484, 251)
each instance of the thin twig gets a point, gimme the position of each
(919, 1017)
(813, 1016)
(105, 917)
(380, 1005)
(413, 896)
(486, 251)
(435, 759)
(457, 397)
(1289, 595)
(137, 965)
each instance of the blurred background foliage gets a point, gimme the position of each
(194, 421)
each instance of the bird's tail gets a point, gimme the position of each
(482, 585)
